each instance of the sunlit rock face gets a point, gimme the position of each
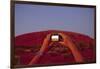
(27, 46)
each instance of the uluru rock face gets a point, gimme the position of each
(27, 46)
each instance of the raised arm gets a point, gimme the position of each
(41, 51)
(69, 44)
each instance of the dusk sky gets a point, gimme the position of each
(33, 18)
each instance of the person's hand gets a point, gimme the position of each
(66, 39)
(47, 38)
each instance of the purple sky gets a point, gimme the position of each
(32, 18)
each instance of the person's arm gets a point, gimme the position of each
(41, 51)
(76, 53)
(68, 43)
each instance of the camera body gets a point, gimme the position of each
(55, 37)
